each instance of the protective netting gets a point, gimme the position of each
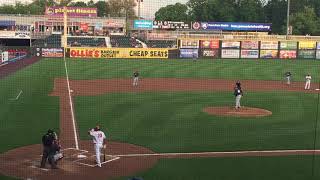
(187, 89)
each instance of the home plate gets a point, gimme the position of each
(81, 156)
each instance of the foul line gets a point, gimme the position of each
(217, 153)
(70, 101)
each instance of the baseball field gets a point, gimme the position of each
(159, 130)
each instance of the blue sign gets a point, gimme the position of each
(189, 53)
(142, 24)
(233, 26)
(7, 23)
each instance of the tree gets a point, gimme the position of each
(305, 22)
(103, 8)
(197, 8)
(64, 2)
(176, 12)
(250, 11)
(213, 10)
(122, 8)
(276, 13)
(78, 4)
(128, 7)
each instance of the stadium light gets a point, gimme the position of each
(288, 18)
(139, 8)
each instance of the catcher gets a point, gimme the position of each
(51, 149)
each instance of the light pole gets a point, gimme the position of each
(288, 18)
(139, 9)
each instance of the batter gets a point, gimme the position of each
(98, 138)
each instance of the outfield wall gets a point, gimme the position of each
(121, 53)
(225, 49)
(207, 49)
(10, 54)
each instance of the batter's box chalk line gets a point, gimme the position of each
(113, 158)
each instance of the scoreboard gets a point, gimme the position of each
(170, 25)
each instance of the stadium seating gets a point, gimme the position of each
(53, 40)
(161, 44)
(86, 42)
(123, 41)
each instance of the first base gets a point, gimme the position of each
(317, 89)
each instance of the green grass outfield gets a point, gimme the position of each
(173, 122)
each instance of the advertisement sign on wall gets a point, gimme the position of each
(209, 44)
(269, 45)
(231, 45)
(7, 34)
(189, 53)
(52, 52)
(268, 54)
(142, 24)
(288, 45)
(288, 54)
(318, 55)
(307, 45)
(4, 57)
(250, 54)
(72, 11)
(232, 26)
(250, 45)
(210, 53)
(230, 53)
(307, 54)
(318, 45)
(151, 53)
(189, 43)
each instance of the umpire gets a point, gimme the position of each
(49, 142)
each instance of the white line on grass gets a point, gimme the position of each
(19, 95)
(70, 102)
(216, 153)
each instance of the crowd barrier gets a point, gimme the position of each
(12, 54)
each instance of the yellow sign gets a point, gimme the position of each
(138, 53)
(307, 45)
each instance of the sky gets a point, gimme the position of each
(148, 7)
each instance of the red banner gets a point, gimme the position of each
(209, 44)
(288, 54)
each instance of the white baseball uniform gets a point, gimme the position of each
(97, 138)
(308, 82)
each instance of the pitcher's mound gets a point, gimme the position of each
(242, 112)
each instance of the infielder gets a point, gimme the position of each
(98, 138)
(288, 77)
(238, 94)
(135, 78)
(308, 82)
